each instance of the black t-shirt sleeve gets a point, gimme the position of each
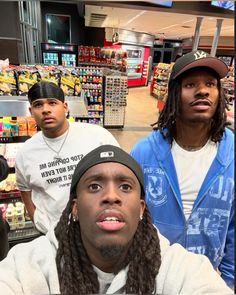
(4, 168)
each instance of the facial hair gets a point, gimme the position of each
(112, 251)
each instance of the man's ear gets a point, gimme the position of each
(142, 208)
(66, 107)
(74, 209)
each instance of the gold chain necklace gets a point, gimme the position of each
(57, 157)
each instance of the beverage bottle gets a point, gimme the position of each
(20, 215)
(10, 216)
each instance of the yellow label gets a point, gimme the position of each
(67, 82)
(23, 79)
(6, 79)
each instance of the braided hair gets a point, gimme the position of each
(166, 121)
(75, 271)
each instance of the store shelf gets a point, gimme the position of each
(98, 65)
(159, 84)
(26, 233)
(9, 195)
(19, 106)
(13, 139)
(115, 101)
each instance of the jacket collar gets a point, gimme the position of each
(161, 147)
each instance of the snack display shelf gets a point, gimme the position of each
(102, 65)
(13, 139)
(19, 106)
(23, 234)
(115, 91)
(4, 195)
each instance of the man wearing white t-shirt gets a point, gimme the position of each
(188, 163)
(45, 163)
(105, 242)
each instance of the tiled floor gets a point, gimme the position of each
(141, 111)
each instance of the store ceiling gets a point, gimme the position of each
(161, 24)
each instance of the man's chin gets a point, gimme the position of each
(201, 119)
(112, 251)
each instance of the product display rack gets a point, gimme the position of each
(28, 231)
(91, 79)
(228, 85)
(104, 92)
(160, 79)
(115, 92)
(82, 85)
(159, 84)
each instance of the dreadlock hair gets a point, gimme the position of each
(75, 271)
(166, 121)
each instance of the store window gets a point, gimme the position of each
(167, 57)
(29, 14)
(157, 56)
(58, 28)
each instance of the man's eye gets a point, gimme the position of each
(94, 187)
(37, 105)
(126, 187)
(189, 85)
(211, 84)
(52, 102)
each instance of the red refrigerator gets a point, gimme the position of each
(137, 62)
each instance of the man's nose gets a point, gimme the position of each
(202, 90)
(111, 195)
(46, 108)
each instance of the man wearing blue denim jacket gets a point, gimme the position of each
(188, 163)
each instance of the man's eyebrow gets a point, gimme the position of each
(116, 176)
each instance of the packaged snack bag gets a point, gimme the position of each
(26, 78)
(22, 126)
(32, 126)
(67, 82)
(50, 75)
(14, 126)
(6, 127)
(8, 82)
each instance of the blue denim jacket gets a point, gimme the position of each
(210, 227)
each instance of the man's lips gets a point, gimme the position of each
(201, 104)
(48, 119)
(110, 220)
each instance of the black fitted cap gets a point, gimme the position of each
(104, 154)
(44, 89)
(196, 59)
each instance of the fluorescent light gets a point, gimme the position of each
(136, 16)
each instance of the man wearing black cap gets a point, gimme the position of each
(188, 163)
(105, 242)
(45, 164)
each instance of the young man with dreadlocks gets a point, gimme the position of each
(105, 242)
(188, 163)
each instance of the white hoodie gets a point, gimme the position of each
(30, 268)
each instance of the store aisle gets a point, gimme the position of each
(141, 111)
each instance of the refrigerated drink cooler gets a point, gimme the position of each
(59, 54)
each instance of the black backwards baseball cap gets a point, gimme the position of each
(195, 59)
(104, 154)
(44, 89)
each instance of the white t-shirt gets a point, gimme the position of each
(48, 180)
(104, 278)
(191, 168)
